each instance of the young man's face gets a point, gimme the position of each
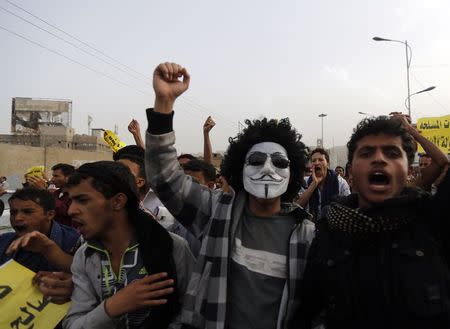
(135, 169)
(319, 164)
(266, 171)
(424, 162)
(90, 209)
(28, 216)
(58, 178)
(379, 169)
(339, 171)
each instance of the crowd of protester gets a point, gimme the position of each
(272, 238)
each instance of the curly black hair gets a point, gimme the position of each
(382, 125)
(265, 130)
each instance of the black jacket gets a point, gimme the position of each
(396, 279)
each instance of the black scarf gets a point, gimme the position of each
(388, 216)
(156, 246)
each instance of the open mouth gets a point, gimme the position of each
(379, 178)
(20, 228)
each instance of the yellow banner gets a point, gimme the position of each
(436, 130)
(113, 140)
(37, 171)
(21, 303)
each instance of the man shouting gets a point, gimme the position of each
(254, 245)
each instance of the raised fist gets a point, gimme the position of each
(167, 83)
(208, 125)
(134, 127)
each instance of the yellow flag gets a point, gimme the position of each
(436, 130)
(21, 303)
(113, 140)
(36, 171)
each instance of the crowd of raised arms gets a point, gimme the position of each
(274, 238)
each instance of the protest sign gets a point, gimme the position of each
(436, 130)
(113, 140)
(36, 171)
(21, 303)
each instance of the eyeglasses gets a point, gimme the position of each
(259, 159)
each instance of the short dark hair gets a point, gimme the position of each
(129, 149)
(65, 168)
(265, 130)
(321, 151)
(424, 155)
(382, 125)
(186, 156)
(109, 178)
(137, 160)
(42, 197)
(340, 168)
(208, 170)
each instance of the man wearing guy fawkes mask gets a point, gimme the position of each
(254, 245)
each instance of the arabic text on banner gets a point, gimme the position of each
(21, 303)
(436, 130)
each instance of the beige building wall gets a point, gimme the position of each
(16, 159)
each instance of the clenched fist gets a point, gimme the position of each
(168, 86)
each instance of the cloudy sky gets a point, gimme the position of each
(247, 59)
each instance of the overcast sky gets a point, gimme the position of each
(247, 59)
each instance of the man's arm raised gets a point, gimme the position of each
(189, 202)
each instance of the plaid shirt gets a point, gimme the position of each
(214, 215)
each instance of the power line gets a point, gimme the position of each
(69, 42)
(429, 94)
(147, 81)
(75, 38)
(72, 60)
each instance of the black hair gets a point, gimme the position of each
(321, 151)
(339, 167)
(41, 197)
(141, 173)
(186, 156)
(424, 155)
(65, 168)
(109, 178)
(382, 125)
(137, 160)
(129, 149)
(265, 130)
(196, 165)
(2, 207)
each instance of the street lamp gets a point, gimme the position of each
(322, 115)
(418, 92)
(408, 63)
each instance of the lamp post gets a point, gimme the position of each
(322, 115)
(407, 100)
(408, 52)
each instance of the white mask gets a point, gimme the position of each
(262, 178)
